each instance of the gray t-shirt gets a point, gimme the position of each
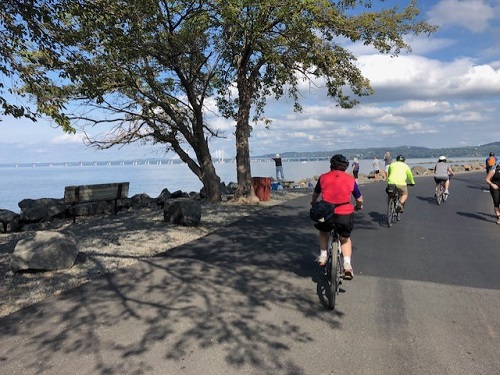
(387, 160)
(441, 170)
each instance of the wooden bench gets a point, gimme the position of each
(95, 193)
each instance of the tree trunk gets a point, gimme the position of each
(210, 180)
(243, 129)
(205, 170)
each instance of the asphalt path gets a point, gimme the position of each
(425, 299)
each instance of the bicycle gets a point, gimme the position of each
(393, 214)
(440, 192)
(334, 268)
(441, 196)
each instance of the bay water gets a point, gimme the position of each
(18, 182)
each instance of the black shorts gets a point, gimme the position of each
(343, 223)
(437, 180)
(495, 195)
(355, 173)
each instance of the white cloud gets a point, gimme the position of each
(67, 138)
(407, 77)
(474, 15)
(389, 118)
(466, 117)
(419, 128)
(420, 107)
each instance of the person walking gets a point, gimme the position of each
(279, 167)
(376, 167)
(355, 168)
(399, 174)
(493, 180)
(387, 161)
(336, 187)
(491, 162)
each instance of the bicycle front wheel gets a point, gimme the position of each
(334, 277)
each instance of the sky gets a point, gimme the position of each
(444, 93)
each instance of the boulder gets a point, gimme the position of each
(45, 250)
(183, 211)
(94, 208)
(164, 196)
(9, 221)
(178, 194)
(141, 201)
(419, 170)
(34, 210)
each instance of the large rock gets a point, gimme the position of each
(141, 201)
(183, 211)
(93, 208)
(9, 221)
(34, 210)
(419, 170)
(45, 251)
(163, 197)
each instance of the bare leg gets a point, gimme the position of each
(323, 240)
(346, 246)
(403, 198)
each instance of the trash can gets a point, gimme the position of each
(262, 187)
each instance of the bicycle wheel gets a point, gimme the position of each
(397, 213)
(334, 274)
(390, 210)
(439, 194)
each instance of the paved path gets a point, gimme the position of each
(425, 300)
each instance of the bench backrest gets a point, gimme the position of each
(98, 192)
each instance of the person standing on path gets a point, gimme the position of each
(387, 161)
(493, 179)
(376, 167)
(279, 167)
(355, 168)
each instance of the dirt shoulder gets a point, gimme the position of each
(111, 242)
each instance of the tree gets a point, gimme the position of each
(21, 27)
(145, 68)
(151, 65)
(268, 47)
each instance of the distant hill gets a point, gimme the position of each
(411, 152)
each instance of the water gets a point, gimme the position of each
(48, 181)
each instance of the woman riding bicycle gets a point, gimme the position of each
(442, 172)
(336, 187)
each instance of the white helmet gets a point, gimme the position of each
(442, 158)
(277, 155)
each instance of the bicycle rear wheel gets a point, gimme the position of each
(439, 194)
(392, 214)
(390, 210)
(334, 274)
